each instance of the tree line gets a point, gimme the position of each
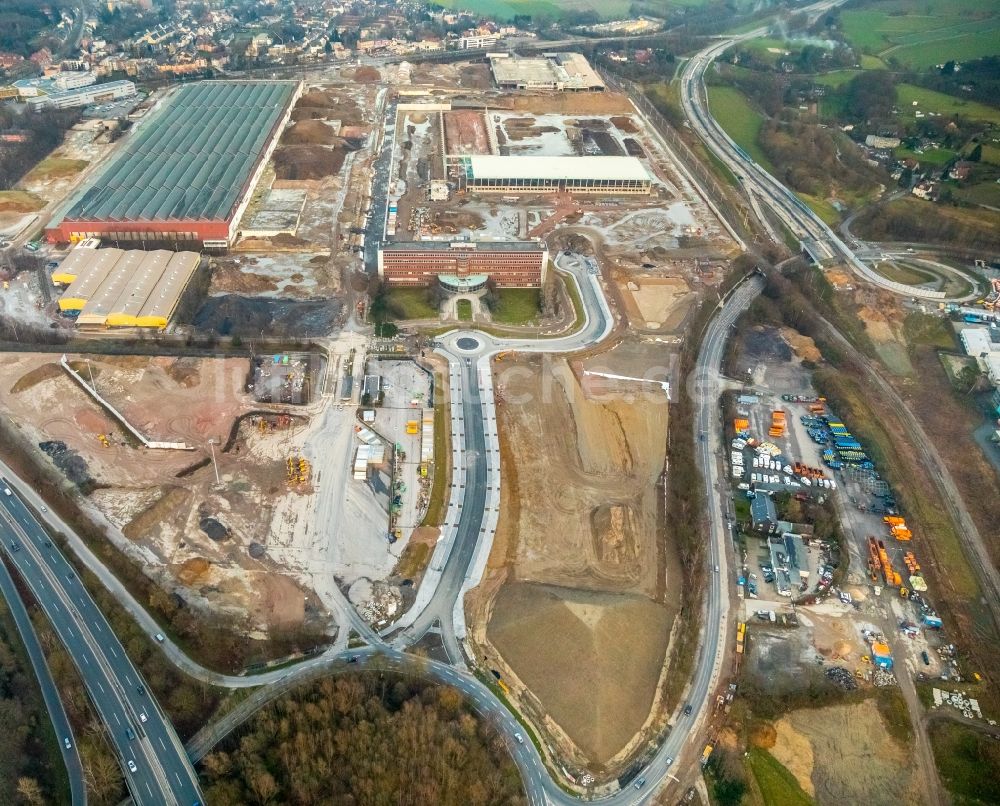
(374, 738)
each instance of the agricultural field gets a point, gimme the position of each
(931, 101)
(923, 37)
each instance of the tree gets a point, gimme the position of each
(976, 154)
(29, 789)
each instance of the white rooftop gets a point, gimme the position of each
(539, 167)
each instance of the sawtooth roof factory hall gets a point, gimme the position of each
(187, 174)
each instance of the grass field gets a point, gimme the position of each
(932, 156)
(928, 34)
(56, 168)
(904, 273)
(464, 310)
(19, 201)
(931, 101)
(969, 763)
(776, 783)
(411, 303)
(837, 78)
(740, 120)
(517, 306)
(985, 193)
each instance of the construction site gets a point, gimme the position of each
(440, 142)
(578, 620)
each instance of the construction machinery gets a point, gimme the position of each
(778, 424)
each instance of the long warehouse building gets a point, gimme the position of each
(464, 265)
(119, 288)
(188, 172)
(536, 174)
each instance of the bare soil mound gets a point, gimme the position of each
(557, 641)
(307, 162)
(309, 133)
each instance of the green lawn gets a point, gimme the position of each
(985, 193)
(464, 310)
(410, 303)
(776, 783)
(872, 62)
(822, 208)
(932, 156)
(969, 763)
(931, 101)
(836, 78)
(904, 273)
(991, 154)
(740, 120)
(517, 306)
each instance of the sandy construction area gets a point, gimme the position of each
(211, 538)
(658, 303)
(844, 754)
(579, 593)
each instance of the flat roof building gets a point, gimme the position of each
(464, 265)
(119, 288)
(539, 174)
(188, 172)
(51, 96)
(564, 72)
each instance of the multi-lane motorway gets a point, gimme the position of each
(50, 693)
(157, 770)
(760, 186)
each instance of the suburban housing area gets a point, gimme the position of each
(527, 404)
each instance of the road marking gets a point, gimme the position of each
(86, 660)
(98, 626)
(161, 742)
(116, 718)
(100, 686)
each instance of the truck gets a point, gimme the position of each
(706, 754)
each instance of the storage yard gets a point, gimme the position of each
(872, 628)
(588, 459)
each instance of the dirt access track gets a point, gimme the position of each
(577, 602)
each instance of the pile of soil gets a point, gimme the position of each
(307, 162)
(317, 98)
(367, 75)
(624, 124)
(308, 133)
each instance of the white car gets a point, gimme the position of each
(142, 716)
(67, 743)
(132, 767)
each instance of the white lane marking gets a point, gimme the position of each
(161, 742)
(116, 718)
(100, 686)
(86, 660)
(98, 625)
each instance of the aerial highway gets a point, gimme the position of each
(759, 185)
(57, 714)
(155, 766)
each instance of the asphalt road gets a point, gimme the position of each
(162, 774)
(759, 185)
(57, 714)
